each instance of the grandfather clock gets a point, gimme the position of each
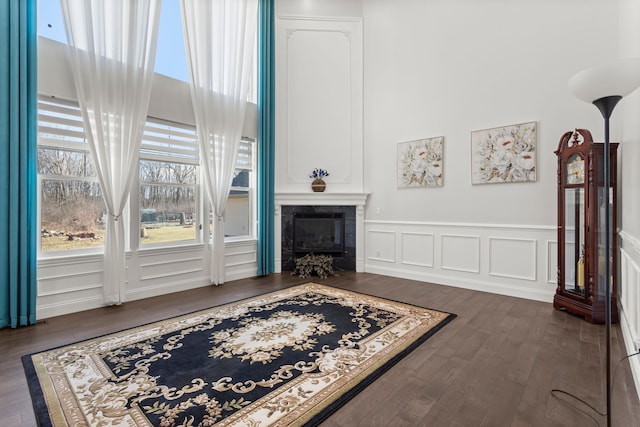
(581, 240)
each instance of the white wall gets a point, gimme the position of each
(436, 68)
(628, 113)
(342, 8)
(446, 68)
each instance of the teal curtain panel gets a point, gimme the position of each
(266, 137)
(18, 186)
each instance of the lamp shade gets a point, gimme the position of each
(618, 78)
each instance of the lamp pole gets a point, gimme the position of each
(606, 106)
(604, 86)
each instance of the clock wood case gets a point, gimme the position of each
(581, 286)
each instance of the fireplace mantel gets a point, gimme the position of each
(321, 199)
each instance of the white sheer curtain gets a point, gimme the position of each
(113, 48)
(219, 38)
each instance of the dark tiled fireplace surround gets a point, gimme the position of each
(326, 203)
(344, 261)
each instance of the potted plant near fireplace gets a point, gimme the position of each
(322, 265)
(318, 185)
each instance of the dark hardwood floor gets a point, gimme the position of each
(494, 365)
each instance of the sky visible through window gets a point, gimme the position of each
(170, 55)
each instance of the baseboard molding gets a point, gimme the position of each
(44, 311)
(458, 282)
(168, 288)
(244, 273)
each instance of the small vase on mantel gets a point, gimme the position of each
(318, 185)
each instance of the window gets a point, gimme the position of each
(169, 186)
(168, 183)
(167, 198)
(71, 205)
(171, 59)
(239, 214)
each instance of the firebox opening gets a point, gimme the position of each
(320, 233)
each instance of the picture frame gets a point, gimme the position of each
(420, 163)
(504, 154)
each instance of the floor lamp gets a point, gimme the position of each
(604, 86)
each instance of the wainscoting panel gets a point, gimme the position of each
(460, 253)
(629, 299)
(629, 293)
(417, 249)
(515, 260)
(552, 261)
(164, 269)
(67, 285)
(241, 260)
(512, 258)
(381, 246)
(70, 284)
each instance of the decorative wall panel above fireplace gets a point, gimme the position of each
(319, 114)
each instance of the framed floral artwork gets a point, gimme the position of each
(420, 163)
(504, 154)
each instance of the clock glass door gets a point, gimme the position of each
(574, 271)
(602, 245)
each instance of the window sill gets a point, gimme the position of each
(58, 258)
(67, 258)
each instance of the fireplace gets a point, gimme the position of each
(322, 230)
(321, 233)
(349, 206)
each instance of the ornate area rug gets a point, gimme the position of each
(290, 357)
